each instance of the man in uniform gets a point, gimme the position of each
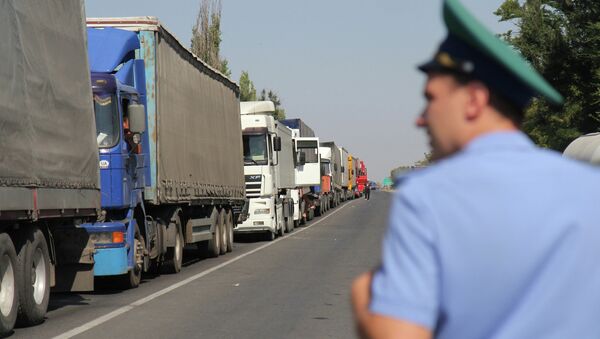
(499, 239)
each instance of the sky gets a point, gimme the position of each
(346, 67)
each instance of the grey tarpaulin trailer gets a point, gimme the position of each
(49, 171)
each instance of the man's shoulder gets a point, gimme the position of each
(501, 166)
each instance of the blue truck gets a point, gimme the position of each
(170, 150)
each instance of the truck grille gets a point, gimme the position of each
(253, 185)
(252, 190)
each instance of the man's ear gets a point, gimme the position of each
(478, 99)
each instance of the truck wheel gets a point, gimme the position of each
(133, 278)
(223, 248)
(174, 256)
(214, 244)
(319, 209)
(270, 236)
(229, 226)
(33, 267)
(9, 301)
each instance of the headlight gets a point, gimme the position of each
(262, 211)
(107, 237)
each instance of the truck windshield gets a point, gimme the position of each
(107, 120)
(255, 150)
(310, 148)
(325, 168)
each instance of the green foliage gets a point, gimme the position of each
(561, 39)
(426, 161)
(206, 36)
(272, 96)
(247, 89)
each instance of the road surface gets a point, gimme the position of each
(294, 287)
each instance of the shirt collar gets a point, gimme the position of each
(500, 140)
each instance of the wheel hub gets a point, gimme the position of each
(7, 285)
(38, 276)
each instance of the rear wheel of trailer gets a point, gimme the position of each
(223, 232)
(9, 297)
(33, 269)
(229, 226)
(213, 246)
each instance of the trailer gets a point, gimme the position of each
(49, 175)
(170, 148)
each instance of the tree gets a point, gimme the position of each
(247, 90)
(206, 35)
(561, 39)
(426, 161)
(272, 96)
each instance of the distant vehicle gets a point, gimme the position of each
(332, 171)
(308, 202)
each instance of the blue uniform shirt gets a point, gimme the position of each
(501, 240)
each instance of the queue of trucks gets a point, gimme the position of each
(120, 147)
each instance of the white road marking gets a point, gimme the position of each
(127, 308)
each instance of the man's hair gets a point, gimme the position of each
(497, 100)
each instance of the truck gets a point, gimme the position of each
(268, 169)
(585, 148)
(49, 173)
(355, 174)
(331, 173)
(170, 150)
(307, 194)
(362, 179)
(346, 175)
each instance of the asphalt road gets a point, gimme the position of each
(295, 287)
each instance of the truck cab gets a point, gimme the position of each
(268, 170)
(119, 94)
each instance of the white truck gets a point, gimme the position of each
(331, 174)
(585, 148)
(307, 172)
(268, 171)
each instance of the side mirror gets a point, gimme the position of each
(301, 159)
(277, 144)
(137, 118)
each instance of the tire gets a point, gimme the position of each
(133, 278)
(270, 236)
(223, 248)
(33, 267)
(174, 256)
(229, 227)
(281, 230)
(9, 292)
(213, 246)
(296, 223)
